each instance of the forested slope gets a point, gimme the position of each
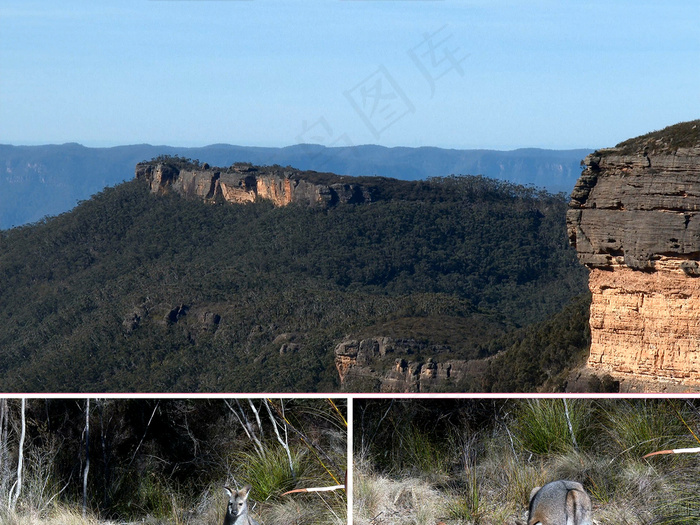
(136, 292)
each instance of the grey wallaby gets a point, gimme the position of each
(560, 503)
(237, 511)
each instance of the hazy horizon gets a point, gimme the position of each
(109, 145)
(458, 75)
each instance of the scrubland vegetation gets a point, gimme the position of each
(681, 135)
(166, 461)
(476, 461)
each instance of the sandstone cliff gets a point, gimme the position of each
(242, 183)
(634, 219)
(385, 364)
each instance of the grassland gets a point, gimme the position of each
(476, 461)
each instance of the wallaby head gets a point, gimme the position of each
(237, 511)
(560, 502)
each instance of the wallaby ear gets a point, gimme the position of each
(228, 491)
(243, 493)
(533, 492)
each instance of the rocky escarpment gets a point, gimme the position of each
(242, 183)
(634, 220)
(385, 364)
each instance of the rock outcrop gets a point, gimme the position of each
(634, 219)
(242, 183)
(385, 364)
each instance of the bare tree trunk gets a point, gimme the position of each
(103, 405)
(20, 458)
(4, 452)
(283, 442)
(87, 455)
(257, 417)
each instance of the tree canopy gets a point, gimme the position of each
(136, 292)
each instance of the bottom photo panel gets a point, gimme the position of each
(552, 461)
(366, 460)
(231, 461)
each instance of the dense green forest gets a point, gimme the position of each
(167, 460)
(136, 292)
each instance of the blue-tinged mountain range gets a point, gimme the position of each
(39, 181)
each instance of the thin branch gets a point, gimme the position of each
(246, 426)
(316, 489)
(673, 451)
(144, 435)
(46, 505)
(376, 428)
(505, 425)
(568, 422)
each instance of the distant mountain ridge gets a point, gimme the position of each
(36, 181)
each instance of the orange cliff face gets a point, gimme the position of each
(276, 190)
(646, 326)
(634, 219)
(242, 183)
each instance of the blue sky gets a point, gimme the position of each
(469, 74)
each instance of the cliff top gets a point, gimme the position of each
(639, 202)
(246, 168)
(666, 140)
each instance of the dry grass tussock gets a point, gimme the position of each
(635, 495)
(297, 509)
(57, 516)
(317, 508)
(380, 500)
(485, 478)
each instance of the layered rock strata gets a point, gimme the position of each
(393, 365)
(634, 219)
(243, 183)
